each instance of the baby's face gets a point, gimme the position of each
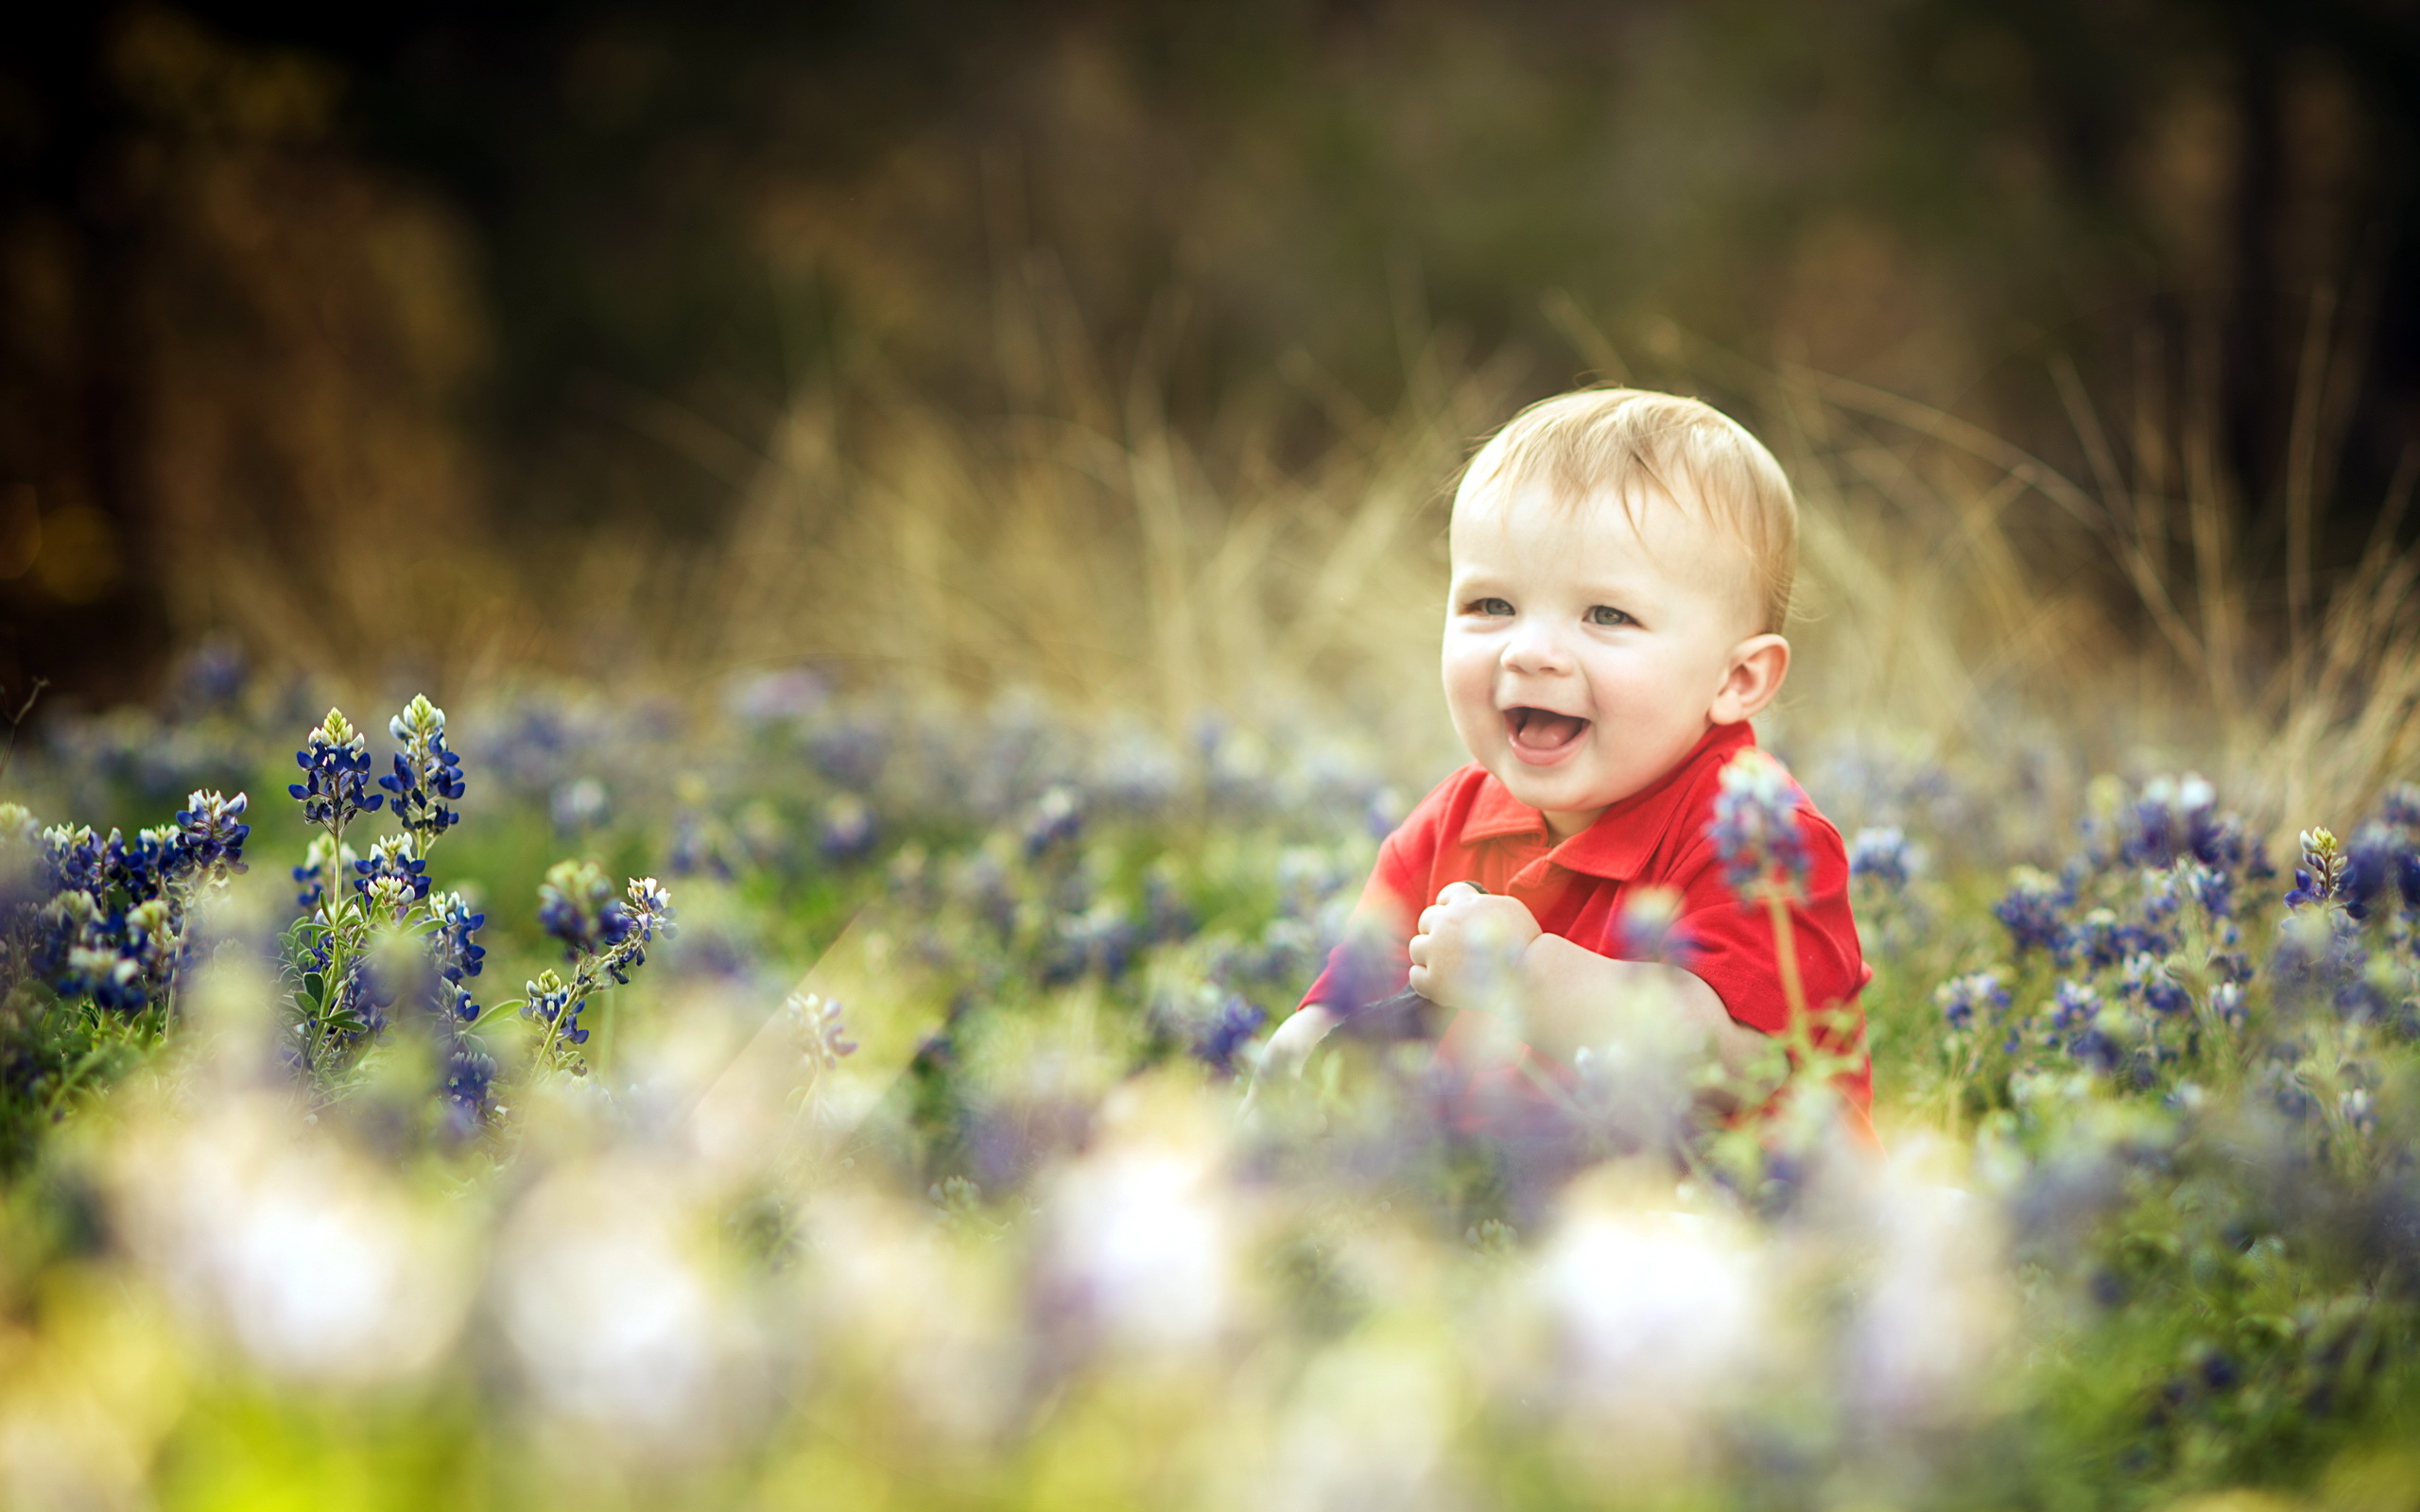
(1583, 654)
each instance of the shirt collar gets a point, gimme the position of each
(1618, 844)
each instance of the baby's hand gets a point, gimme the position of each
(1469, 947)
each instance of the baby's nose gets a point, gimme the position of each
(1534, 646)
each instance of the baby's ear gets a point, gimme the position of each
(1758, 664)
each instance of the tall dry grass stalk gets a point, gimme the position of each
(1962, 597)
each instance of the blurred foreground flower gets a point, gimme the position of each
(617, 1319)
(308, 1255)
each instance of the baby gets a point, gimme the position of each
(1622, 563)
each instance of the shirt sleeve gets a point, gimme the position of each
(1732, 946)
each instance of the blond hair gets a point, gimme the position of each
(1601, 442)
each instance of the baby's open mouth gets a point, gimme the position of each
(1541, 731)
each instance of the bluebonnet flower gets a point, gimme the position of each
(2320, 879)
(455, 954)
(427, 776)
(1165, 913)
(313, 873)
(2147, 978)
(112, 980)
(1229, 1030)
(1883, 857)
(848, 828)
(137, 866)
(336, 765)
(2033, 912)
(2226, 1003)
(647, 908)
(392, 859)
(2074, 1005)
(1756, 826)
(822, 1036)
(1058, 817)
(72, 860)
(1102, 938)
(1648, 926)
(211, 834)
(2358, 1109)
(550, 1001)
(453, 951)
(470, 1075)
(577, 906)
(2213, 889)
(2371, 865)
(848, 752)
(1961, 997)
(2174, 819)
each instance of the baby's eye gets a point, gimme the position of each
(1607, 614)
(1489, 606)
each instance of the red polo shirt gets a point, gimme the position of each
(1471, 829)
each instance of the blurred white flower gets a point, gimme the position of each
(1140, 1242)
(315, 1260)
(1656, 1313)
(1937, 1307)
(612, 1319)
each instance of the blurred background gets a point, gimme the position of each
(1125, 350)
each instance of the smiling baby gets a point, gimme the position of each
(1622, 564)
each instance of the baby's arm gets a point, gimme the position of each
(1569, 995)
(1472, 944)
(1295, 1038)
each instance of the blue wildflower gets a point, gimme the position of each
(2358, 1109)
(1883, 857)
(138, 867)
(821, 1033)
(2177, 819)
(2320, 879)
(1961, 997)
(577, 906)
(336, 764)
(1056, 818)
(2226, 1003)
(1648, 926)
(1754, 828)
(848, 828)
(451, 948)
(2074, 1005)
(314, 872)
(393, 860)
(211, 834)
(647, 913)
(72, 860)
(427, 775)
(2211, 887)
(470, 1073)
(2033, 912)
(550, 1001)
(2147, 979)
(1229, 1030)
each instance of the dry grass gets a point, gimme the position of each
(1962, 600)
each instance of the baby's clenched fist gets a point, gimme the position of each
(1467, 954)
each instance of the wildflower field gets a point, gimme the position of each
(812, 1068)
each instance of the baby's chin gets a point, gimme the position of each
(1553, 791)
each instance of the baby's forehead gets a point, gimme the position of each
(1642, 517)
(1643, 529)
